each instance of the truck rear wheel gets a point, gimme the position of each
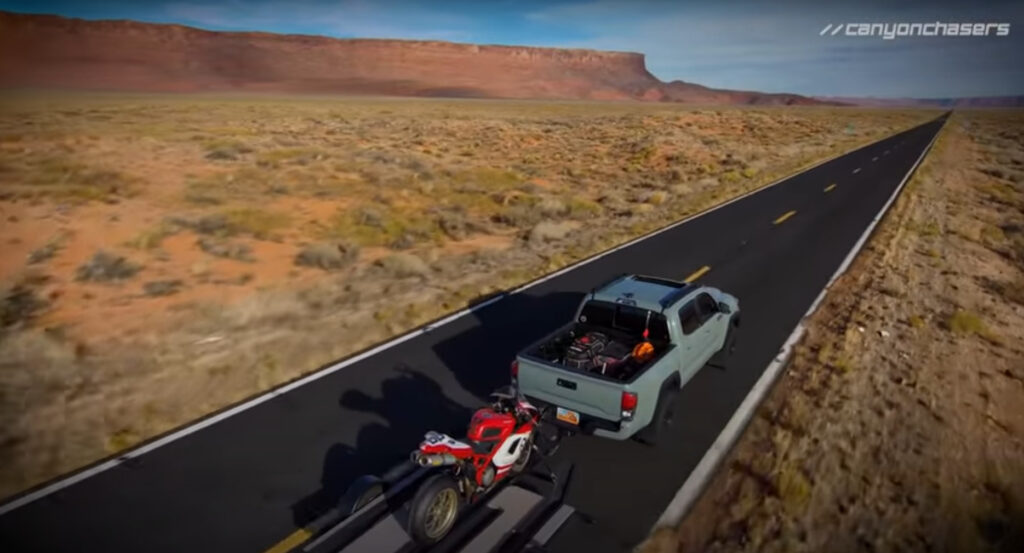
(721, 357)
(661, 422)
(547, 438)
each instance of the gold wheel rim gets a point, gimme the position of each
(441, 513)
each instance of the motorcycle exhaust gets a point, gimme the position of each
(434, 459)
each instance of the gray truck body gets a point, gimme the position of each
(687, 325)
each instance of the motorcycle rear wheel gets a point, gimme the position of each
(434, 510)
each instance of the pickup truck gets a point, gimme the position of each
(614, 371)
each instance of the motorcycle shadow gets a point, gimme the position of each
(378, 447)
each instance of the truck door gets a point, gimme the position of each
(691, 346)
(713, 325)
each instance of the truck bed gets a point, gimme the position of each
(552, 351)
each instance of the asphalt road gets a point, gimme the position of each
(245, 483)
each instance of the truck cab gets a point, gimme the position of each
(614, 370)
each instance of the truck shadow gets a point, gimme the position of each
(409, 402)
(479, 357)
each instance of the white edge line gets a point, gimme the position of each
(705, 470)
(146, 448)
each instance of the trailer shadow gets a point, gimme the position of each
(479, 357)
(409, 402)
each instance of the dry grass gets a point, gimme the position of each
(910, 442)
(270, 229)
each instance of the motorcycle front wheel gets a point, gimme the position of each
(434, 510)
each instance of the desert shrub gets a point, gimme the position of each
(226, 150)
(63, 178)
(105, 267)
(290, 156)
(19, 304)
(373, 226)
(211, 224)
(225, 248)
(965, 322)
(730, 177)
(992, 235)
(488, 179)
(518, 216)
(162, 287)
(657, 197)
(453, 224)
(931, 228)
(794, 489)
(152, 238)
(581, 208)
(44, 253)
(201, 195)
(552, 207)
(403, 265)
(328, 255)
(257, 222)
(549, 231)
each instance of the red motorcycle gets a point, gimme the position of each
(498, 445)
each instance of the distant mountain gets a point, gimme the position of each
(982, 101)
(47, 51)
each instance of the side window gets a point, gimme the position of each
(707, 306)
(688, 318)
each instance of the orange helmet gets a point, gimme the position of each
(643, 351)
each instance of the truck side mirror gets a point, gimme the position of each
(724, 307)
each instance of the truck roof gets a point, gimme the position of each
(646, 292)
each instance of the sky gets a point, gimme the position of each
(765, 45)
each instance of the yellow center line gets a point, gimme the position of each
(785, 216)
(697, 274)
(291, 541)
(829, 187)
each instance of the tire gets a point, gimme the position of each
(523, 460)
(721, 357)
(547, 438)
(661, 421)
(364, 490)
(434, 509)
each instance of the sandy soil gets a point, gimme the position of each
(250, 240)
(898, 426)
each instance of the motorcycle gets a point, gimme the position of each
(498, 445)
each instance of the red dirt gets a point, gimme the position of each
(58, 52)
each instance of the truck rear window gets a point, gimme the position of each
(625, 318)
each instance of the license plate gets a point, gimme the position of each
(566, 415)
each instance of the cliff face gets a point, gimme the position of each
(56, 52)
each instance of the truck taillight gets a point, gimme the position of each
(513, 369)
(628, 405)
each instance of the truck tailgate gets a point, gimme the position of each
(571, 390)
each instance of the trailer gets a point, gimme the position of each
(520, 515)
